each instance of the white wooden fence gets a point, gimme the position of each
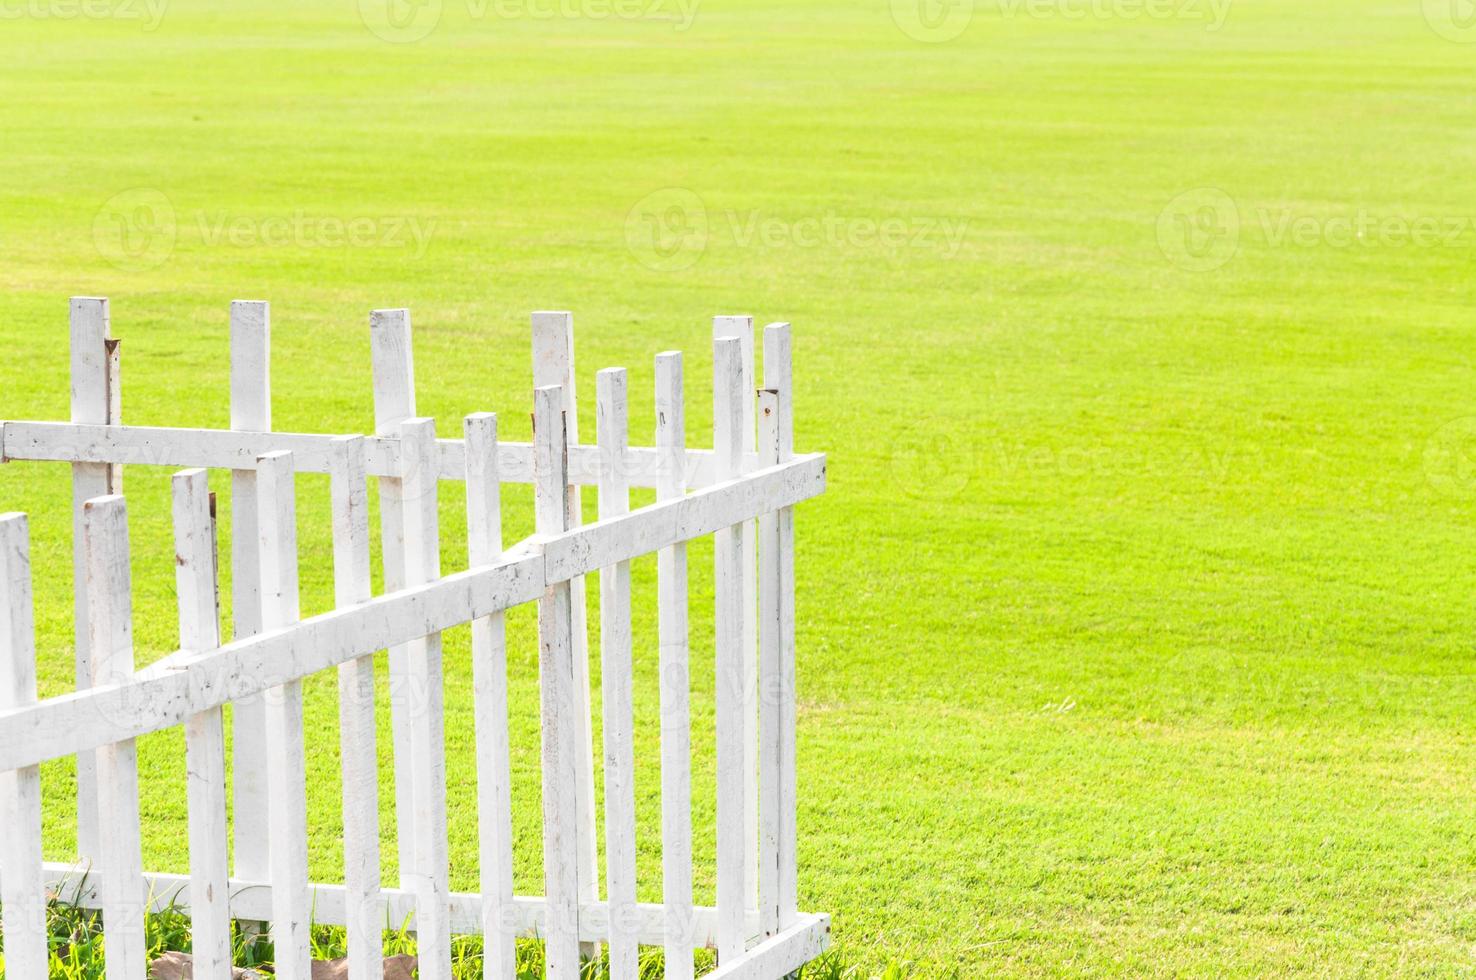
(742, 492)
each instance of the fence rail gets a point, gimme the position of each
(742, 493)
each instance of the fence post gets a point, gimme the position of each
(732, 738)
(96, 400)
(489, 682)
(676, 725)
(420, 473)
(394, 402)
(251, 411)
(553, 365)
(205, 772)
(286, 776)
(778, 378)
(22, 887)
(350, 506)
(109, 620)
(742, 328)
(557, 680)
(617, 681)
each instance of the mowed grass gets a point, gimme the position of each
(1135, 627)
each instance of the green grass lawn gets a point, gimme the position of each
(1136, 625)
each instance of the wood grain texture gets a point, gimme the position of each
(195, 580)
(489, 684)
(675, 681)
(349, 494)
(22, 888)
(251, 412)
(553, 365)
(286, 775)
(94, 395)
(426, 705)
(110, 640)
(394, 402)
(617, 686)
(557, 676)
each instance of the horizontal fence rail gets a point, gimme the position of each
(741, 494)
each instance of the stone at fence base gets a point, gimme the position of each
(180, 966)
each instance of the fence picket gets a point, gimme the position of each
(617, 681)
(251, 411)
(394, 402)
(426, 710)
(22, 887)
(742, 328)
(489, 682)
(676, 718)
(732, 738)
(95, 399)
(557, 679)
(770, 679)
(350, 506)
(553, 364)
(109, 621)
(286, 776)
(778, 377)
(199, 632)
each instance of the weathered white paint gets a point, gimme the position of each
(95, 395)
(553, 365)
(675, 679)
(286, 775)
(160, 698)
(350, 505)
(770, 681)
(557, 676)
(426, 707)
(732, 713)
(22, 891)
(144, 445)
(781, 955)
(394, 402)
(251, 412)
(778, 377)
(617, 681)
(741, 479)
(196, 587)
(489, 686)
(110, 641)
(742, 328)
